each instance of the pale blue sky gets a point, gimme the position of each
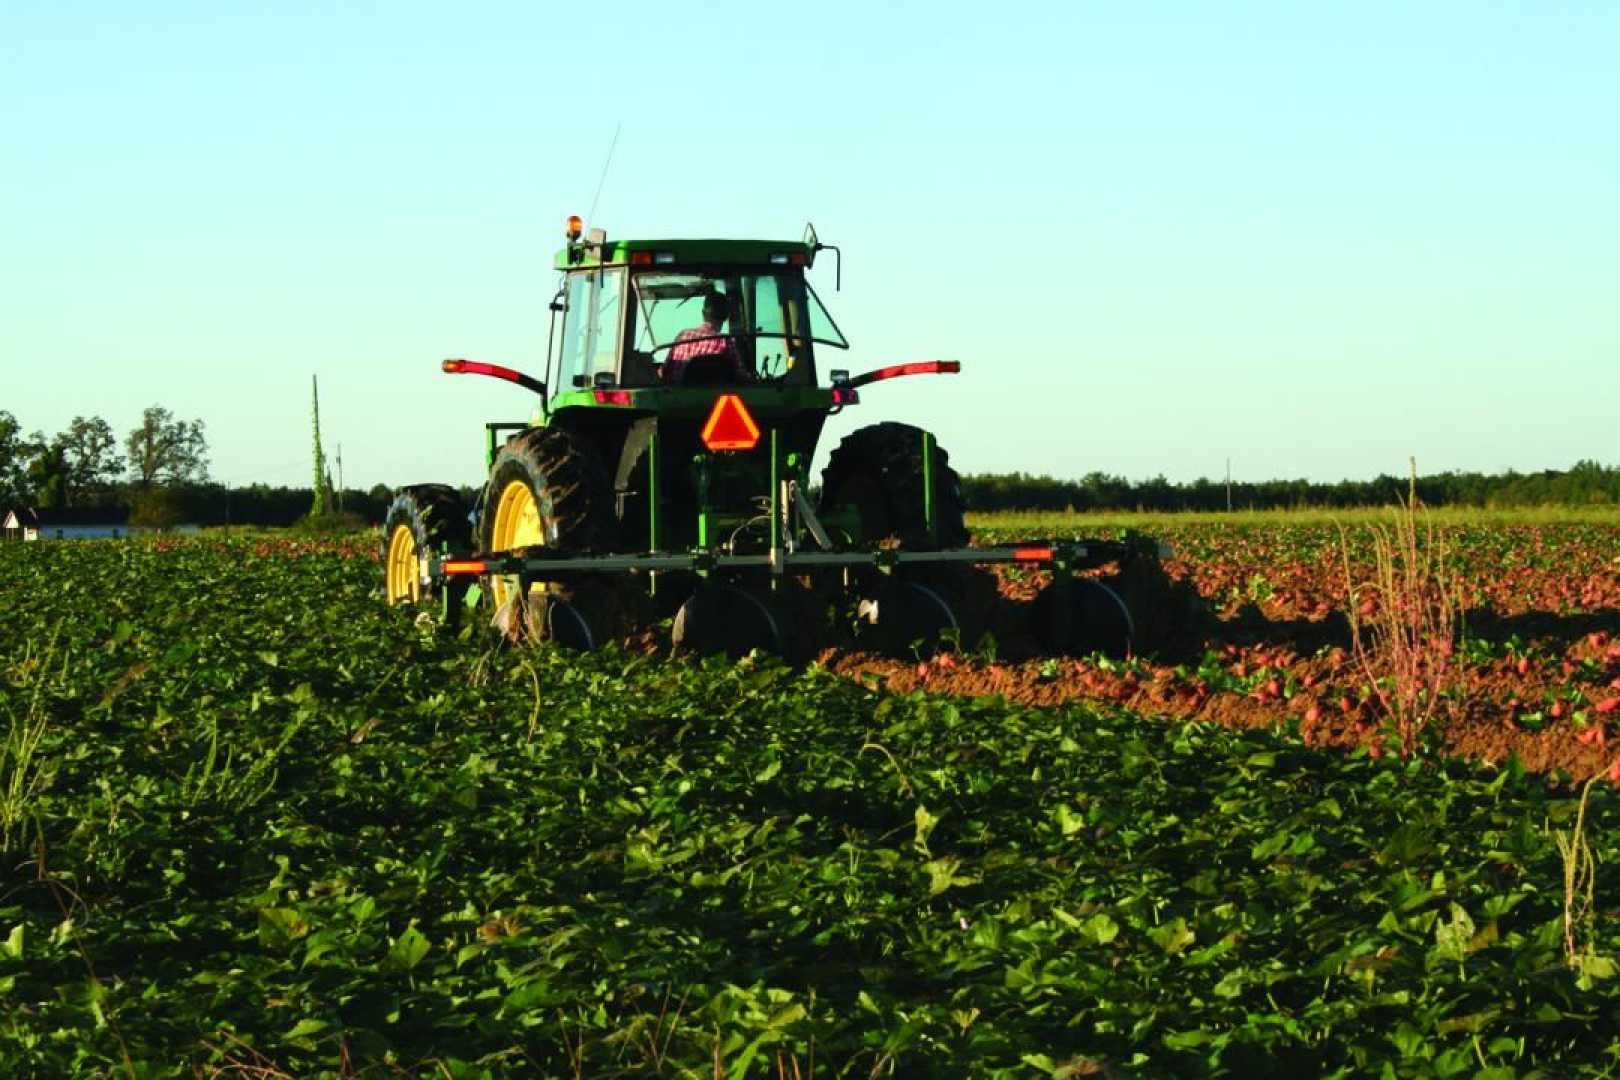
(1316, 239)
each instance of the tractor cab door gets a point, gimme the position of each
(593, 321)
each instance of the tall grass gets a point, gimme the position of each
(23, 775)
(1406, 619)
(217, 779)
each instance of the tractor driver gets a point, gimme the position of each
(705, 340)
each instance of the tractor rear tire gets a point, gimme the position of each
(423, 519)
(548, 489)
(878, 471)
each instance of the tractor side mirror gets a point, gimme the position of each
(813, 242)
(838, 265)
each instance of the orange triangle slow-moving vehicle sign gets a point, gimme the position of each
(730, 426)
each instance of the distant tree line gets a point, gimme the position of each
(1586, 483)
(160, 471)
(87, 465)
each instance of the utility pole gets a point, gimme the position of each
(340, 478)
(1228, 485)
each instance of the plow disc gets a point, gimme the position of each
(1072, 618)
(584, 617)
(732, 619)
(1136, 610)
(905, 618)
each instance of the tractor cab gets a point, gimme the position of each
(675, 314)
(647, 337)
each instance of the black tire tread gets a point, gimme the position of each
(569, 481)
(879, 469)
(437, 518)
(573, 492)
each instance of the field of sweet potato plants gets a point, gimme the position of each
(255, 823)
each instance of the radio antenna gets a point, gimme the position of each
(590, 215)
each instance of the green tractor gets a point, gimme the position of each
(665, 472)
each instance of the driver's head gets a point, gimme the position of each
(714, 309)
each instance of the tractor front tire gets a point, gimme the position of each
(547, 489)
(878, 471)
(423, 519)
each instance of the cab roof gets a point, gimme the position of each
(687, 253)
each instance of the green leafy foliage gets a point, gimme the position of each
(286, 828)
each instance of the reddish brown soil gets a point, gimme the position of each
(1271, 647)
(1326, 711)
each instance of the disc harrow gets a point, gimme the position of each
(665, 474)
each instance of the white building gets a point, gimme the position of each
(97, 523)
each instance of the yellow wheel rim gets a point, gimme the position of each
(517, 524)
(404, 577)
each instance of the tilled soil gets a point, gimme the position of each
(1249, 627)
(1271, 646)
(1326, 708)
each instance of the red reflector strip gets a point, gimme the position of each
(641, 258)
(478, 367)
(612, 397)
(463, 566)
(844, 396)
(916, 367)
(1032, 554)
(921, 367)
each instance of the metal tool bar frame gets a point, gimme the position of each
(543, 566)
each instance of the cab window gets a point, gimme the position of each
(772, 319)
(576, 321)
(591, 325)
(775, 312)
(604, 343)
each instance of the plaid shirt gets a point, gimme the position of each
(696, 341)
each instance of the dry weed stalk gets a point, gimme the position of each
(240, 1059)
(1405, 622)
(1580, 880)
